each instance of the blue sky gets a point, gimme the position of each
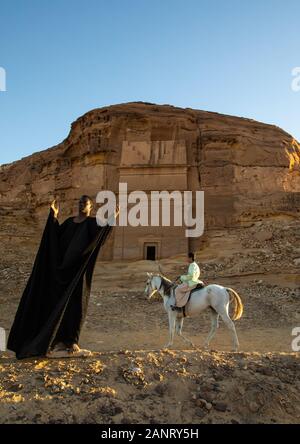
(65, 57)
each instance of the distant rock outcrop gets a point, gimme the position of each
(247, 169)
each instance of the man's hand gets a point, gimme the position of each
(55, 208)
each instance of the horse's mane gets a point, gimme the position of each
(166, 283)
(164, 279)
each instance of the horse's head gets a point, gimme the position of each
(152, 285)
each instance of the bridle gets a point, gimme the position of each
(157, 290)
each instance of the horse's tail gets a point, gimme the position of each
(238, 305)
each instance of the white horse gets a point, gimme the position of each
(213, 297)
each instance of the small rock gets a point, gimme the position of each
(253, 406)
(118, 418)
(199, 402)
(265, 371)
(200, 413)
(241, 390)
(263, 235)
(211, 380)
(219, 377)
(158, 376)
(15, 387)
(220, 406)
(161, 389)
(208, 406)
(209, 397)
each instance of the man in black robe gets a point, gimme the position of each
(55, 300)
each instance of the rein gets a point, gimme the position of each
(162, 283)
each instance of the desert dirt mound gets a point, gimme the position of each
(157, 387)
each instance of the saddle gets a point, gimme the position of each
(198, 287)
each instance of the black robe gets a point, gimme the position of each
(54, 303)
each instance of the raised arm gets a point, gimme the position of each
(58, 228)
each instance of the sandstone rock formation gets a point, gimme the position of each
(247, 169)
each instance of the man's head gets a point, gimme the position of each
(85, 204)
(191, 257)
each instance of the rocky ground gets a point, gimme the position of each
(152, 387)
(130, 378)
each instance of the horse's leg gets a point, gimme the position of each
(230, 325)
(179, 323)
(172, 319)
(214, 316)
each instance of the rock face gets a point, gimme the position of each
(248, 171)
